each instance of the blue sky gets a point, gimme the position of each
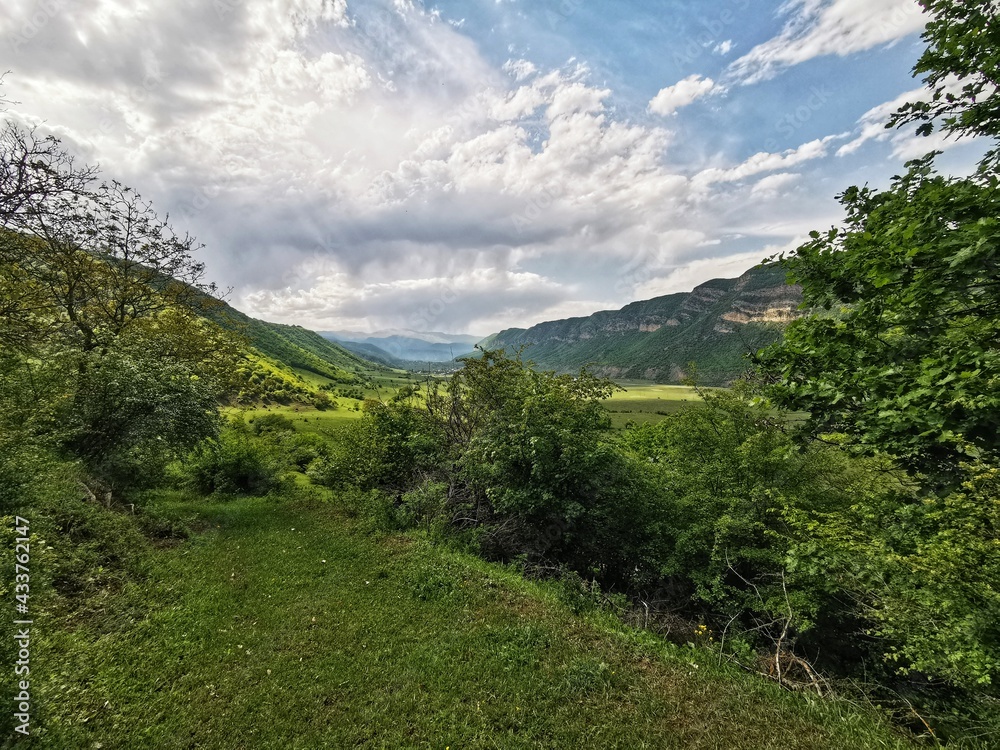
(471, 166)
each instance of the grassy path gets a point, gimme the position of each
(284, 627)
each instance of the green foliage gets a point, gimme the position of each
(924, 569)
(900, 356)
(729, 475)
(390, 447)
(536, 472)
(961, 67)
(237, 462)
(269, 424)
(906, 361)
(132, 413)
(30, 392)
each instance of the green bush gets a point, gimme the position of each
(392, 447)
(738, 497)
(237, 462)
(304, 448)
(271, 423)
(925, 569)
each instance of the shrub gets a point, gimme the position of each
(738, 495)
(236, 462)
(271, 423)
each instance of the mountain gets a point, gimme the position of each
(404, 346)
(713, 326)
(430, 337)
(295, 346)
(273, 358)
(374, 354)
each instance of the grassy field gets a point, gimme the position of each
(284, 625)
(640, 402)
(646, 402)
(306, 418)
(309, 419)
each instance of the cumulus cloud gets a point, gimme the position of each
(681, 94)
(520, 69)
(698, 271)
(365, 166)
(828, 27)
(775, 183)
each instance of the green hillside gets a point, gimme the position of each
(714, 326)
(294, 346)
(288, 625)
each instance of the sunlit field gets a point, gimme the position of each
(646, 402)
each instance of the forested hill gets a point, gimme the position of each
(294, 346)
(714, 326)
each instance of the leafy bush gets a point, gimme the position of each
(304, 448)
(391, 447)
(925, 571)
(236, 462)
(270, 424)
(132, 413)
(742, 504)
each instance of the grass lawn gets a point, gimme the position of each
(645, 402)
(306, 418)
(285, 625)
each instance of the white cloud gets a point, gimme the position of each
(358, 164)
(872, 123)
(775, 183)
(828, 27)
(723, 48)
(520, 69)
(681, 94)
(699, 271)
(905, 143)
(766, 162)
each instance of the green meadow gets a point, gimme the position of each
(643, 402)
(288, 623)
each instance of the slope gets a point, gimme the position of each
(295, 346)
(714, 326)
(284, 625)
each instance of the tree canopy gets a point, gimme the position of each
(902, 351)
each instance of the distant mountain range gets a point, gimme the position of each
(399, 348)
(714, 326)
(294, 346)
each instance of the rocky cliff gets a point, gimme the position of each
(712, 327)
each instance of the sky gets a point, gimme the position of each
(469, 166)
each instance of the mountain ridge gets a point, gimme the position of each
(712, 327)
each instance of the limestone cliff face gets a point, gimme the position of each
(713, 327)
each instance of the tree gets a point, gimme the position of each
(100, 256)
(961, 67)
(904, 357)
(904, 354)
(97, 297)
(901, 356)
(37, 176)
